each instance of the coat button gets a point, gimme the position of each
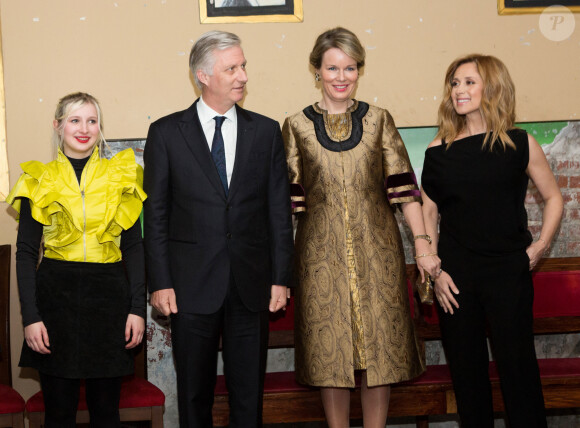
(229, 235)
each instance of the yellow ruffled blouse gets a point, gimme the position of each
(83, 221)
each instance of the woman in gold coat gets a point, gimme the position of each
(352, 310)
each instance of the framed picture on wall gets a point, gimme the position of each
(4, 172)
(512, 7)
(230, 11)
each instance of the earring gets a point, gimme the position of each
(317, 77)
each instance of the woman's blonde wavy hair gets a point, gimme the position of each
(498, 102)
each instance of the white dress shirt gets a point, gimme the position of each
(229, 131)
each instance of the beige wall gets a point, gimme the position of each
(133, 54)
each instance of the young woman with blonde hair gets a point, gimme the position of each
(83, 308)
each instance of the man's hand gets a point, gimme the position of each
(279, 295)
(164, 301)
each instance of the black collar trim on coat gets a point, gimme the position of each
(355, 134)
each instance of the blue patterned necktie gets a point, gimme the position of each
(218, 152)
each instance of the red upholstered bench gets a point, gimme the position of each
(556, 293)
(556, 310)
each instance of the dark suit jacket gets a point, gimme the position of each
(195, 236)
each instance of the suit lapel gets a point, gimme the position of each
(192, 131)
(244, 146)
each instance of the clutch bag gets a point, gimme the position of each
(425, 289)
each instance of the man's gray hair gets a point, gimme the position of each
(202, 57)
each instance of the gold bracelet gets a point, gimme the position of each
(425, 237)
(418, 256)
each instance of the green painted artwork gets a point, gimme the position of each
(417, 139)
(543, 132)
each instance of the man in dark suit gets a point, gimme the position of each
(218, 234)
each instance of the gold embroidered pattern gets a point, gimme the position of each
(348, 235)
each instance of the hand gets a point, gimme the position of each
(37, 337)
(535, 252)
(164, 301)
(279, 296)
(294, 221)
(444, 290)
(134, 330)
(430, 264)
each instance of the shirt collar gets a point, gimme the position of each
(206, 113)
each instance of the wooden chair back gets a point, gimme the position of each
(5, 366)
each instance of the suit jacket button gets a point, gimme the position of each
(229, 235)
(227, 208)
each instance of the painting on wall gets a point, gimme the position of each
(551, 136)
(230, 11)
(512, 7)
(117, 145)
(4, 172)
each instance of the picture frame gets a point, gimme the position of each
(4, 170)
(250, 11)
(517, 7)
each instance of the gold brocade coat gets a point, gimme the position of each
(330, 179)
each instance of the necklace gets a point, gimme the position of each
(338, 126)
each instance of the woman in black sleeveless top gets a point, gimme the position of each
(475, 178)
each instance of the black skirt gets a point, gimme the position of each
(84, 307)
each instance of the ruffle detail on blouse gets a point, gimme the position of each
(125, 196)
(47, 205)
